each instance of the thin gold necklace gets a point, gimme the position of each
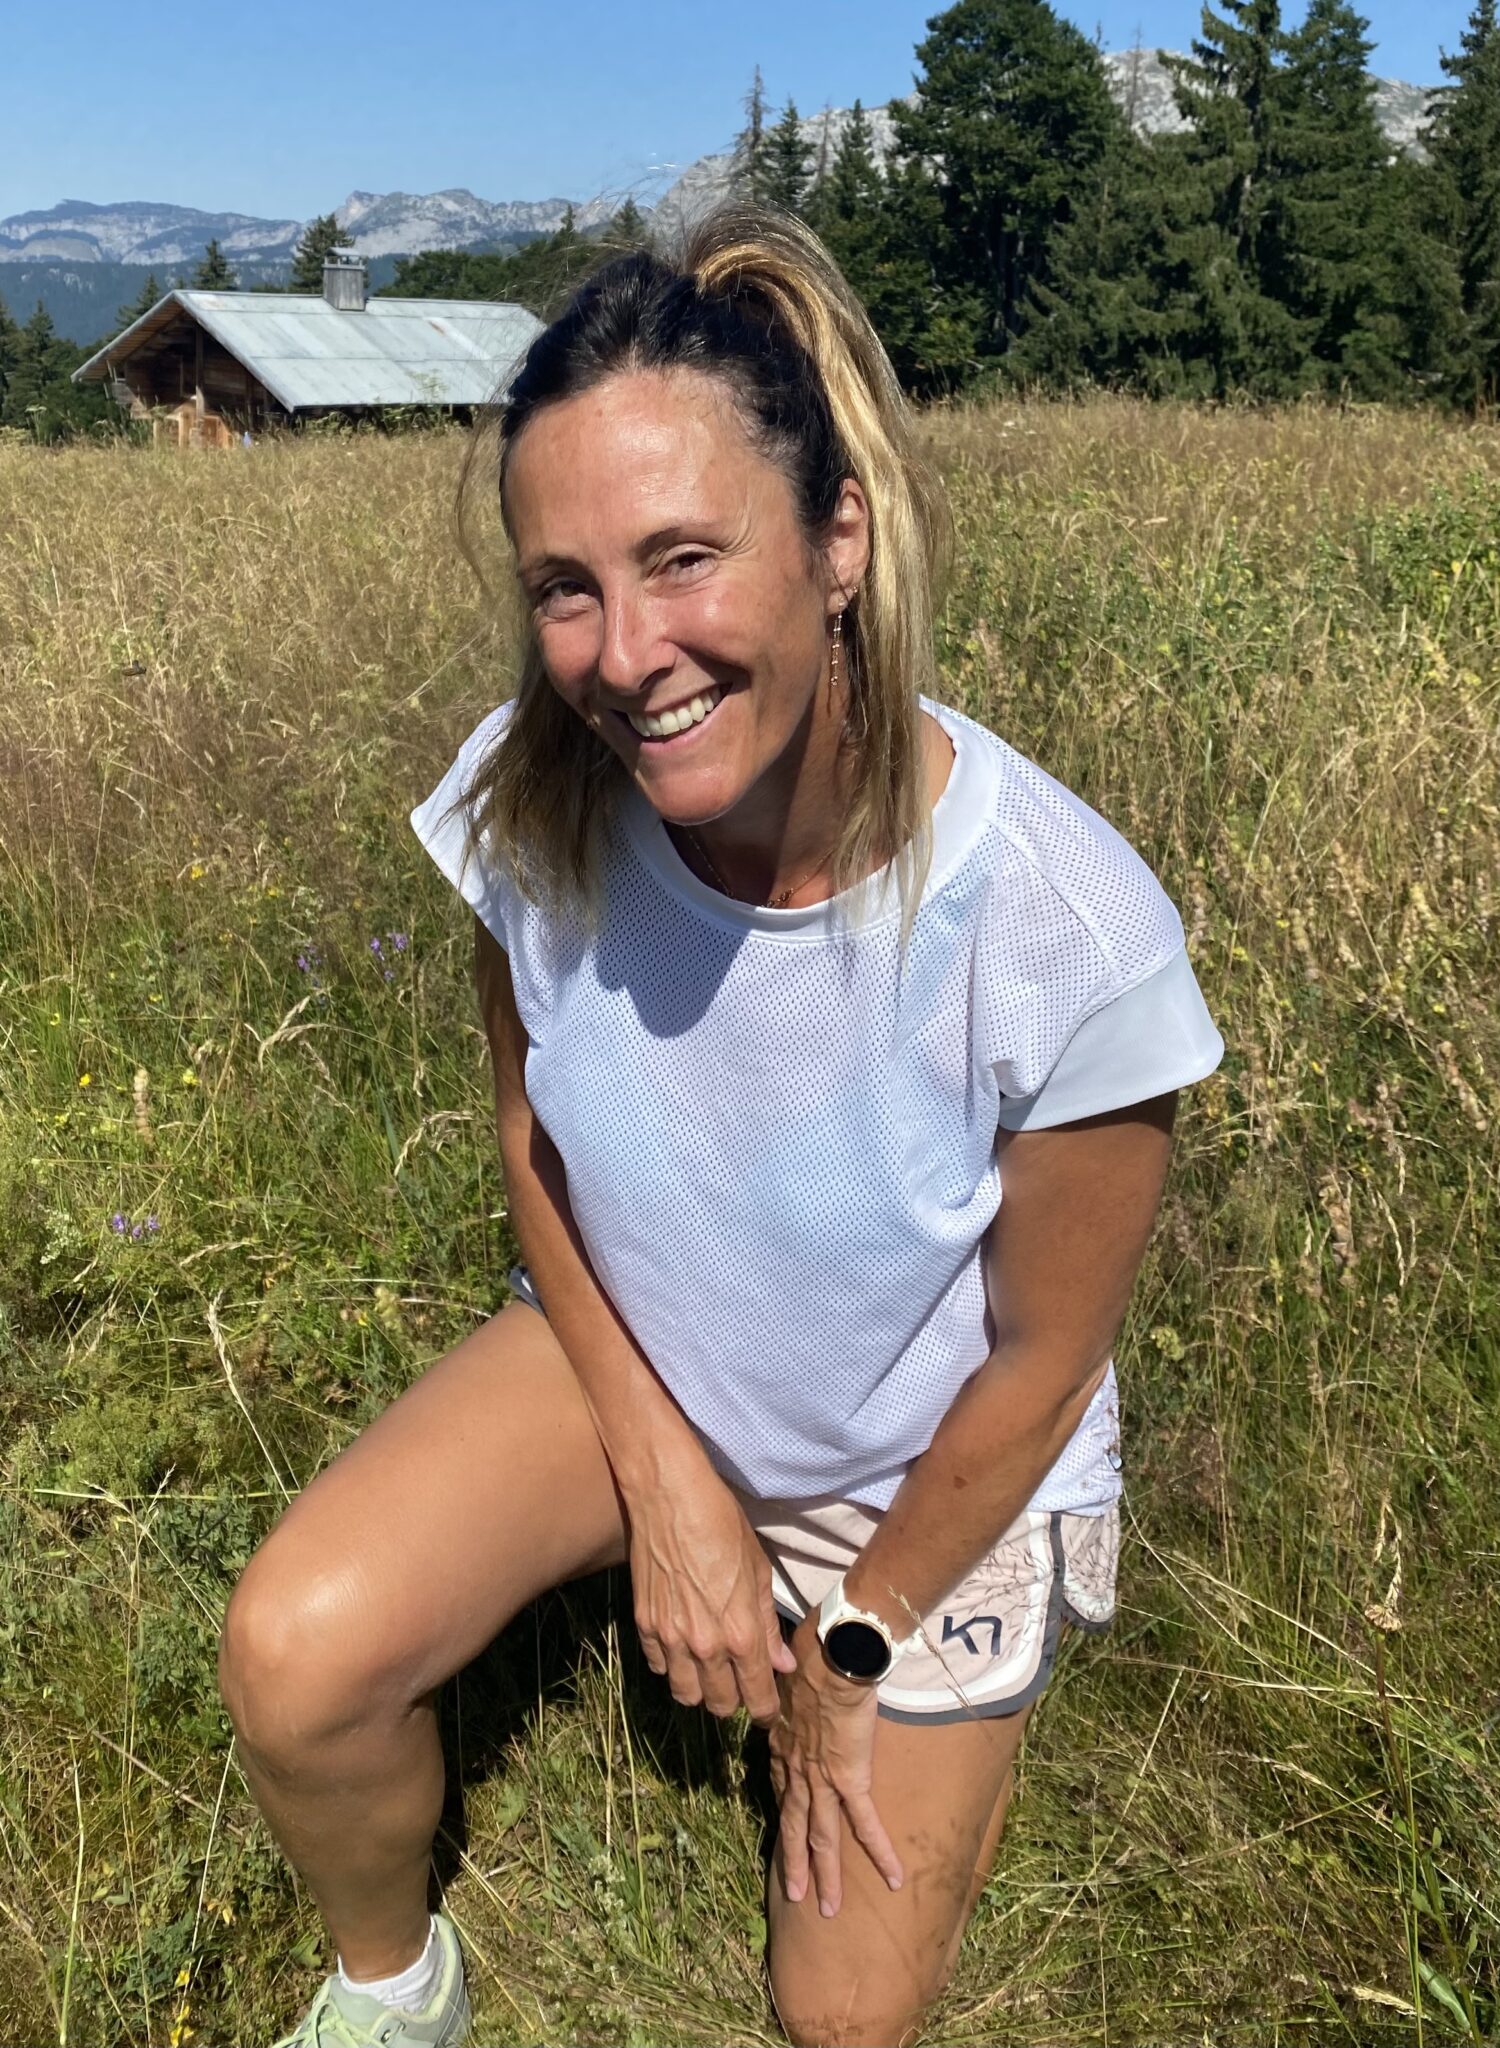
(776, 902)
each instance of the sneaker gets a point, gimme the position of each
(340, 2018)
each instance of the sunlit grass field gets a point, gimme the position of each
(249, 1188)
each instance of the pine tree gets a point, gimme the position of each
(318, 241)
(1464, 140)
(10, 338)
(747, 166)
(784, 170)
(819, 171)
(1218, 253)
(143, 301)
(628, 230)
(1426, 295)
(850, 214)
(1330, 254)
(39, 358)
(214, 274)
(1012, 117)
(927, 315)
(854, 183)
(1103, 316)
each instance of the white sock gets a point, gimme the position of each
(411, 1987)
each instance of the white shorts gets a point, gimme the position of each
(990, 1646)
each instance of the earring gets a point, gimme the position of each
(835, 662)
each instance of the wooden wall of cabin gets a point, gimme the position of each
(170, 369)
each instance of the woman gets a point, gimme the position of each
(787, 971)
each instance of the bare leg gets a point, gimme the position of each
(478, 1488)
(865, 1978)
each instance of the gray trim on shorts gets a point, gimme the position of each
(1059, 1608)
(523, 1288)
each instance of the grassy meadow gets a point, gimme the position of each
(249, 1188)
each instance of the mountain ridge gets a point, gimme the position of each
(85, 257)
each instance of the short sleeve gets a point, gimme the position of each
(1085, 999)
(441, 829)
(1152, 1037)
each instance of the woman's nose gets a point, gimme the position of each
(630, 651)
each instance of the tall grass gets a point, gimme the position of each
(249, 1188)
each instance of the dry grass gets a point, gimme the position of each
(1266, 1808)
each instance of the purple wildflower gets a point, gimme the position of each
(152, 1224)
(136, 1230)
(117, 1223)
(374, 945)
(398, 940)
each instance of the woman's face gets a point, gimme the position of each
(665, 573)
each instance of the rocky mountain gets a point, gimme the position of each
(169, 238)
(707, 180)
(140, 231)
(400, 223)
(1143, 86)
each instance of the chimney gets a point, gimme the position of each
(346, 280)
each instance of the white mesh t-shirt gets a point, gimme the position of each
(782, 1165)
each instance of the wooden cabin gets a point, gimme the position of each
(208, 367)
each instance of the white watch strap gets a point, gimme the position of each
(835, 1607)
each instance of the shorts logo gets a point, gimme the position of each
(952, 1630)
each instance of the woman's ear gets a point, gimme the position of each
(847, 548)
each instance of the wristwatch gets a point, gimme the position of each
(856, 1643)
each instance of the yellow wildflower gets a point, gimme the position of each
(85, 1080)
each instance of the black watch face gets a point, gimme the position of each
(857, 1650)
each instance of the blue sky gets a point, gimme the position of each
(280, 109)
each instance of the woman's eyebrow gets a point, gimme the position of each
(535, 565)
(649, 544)
(668, 536)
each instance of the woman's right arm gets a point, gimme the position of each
(701, 1582)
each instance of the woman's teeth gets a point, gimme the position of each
(692, 713)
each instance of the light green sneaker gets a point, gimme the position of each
(352, 2019)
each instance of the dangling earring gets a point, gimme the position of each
(835, 659)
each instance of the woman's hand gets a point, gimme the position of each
(703, 1605)
(822, 1750)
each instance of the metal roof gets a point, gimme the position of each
(308, 353)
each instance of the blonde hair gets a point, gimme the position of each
(754, 299)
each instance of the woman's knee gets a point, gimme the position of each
(303, 1660)
(877, 2009)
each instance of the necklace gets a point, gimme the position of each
(776, 902)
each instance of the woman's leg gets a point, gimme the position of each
(480, 1486)
(867, 1975)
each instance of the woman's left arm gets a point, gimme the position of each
(1077, 1209)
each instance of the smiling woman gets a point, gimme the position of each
(779, 514)
(789, 974)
